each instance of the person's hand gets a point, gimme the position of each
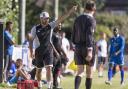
(67, 59)
(57, 54)
(117, 53)
(32, 56)
(89, 55)
(74, 8)
(28, 76)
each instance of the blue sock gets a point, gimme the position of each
(122, 74)
(109, 74)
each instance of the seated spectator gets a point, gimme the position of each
(21, 74)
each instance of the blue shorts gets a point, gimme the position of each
(117, 61)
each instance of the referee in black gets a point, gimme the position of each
(82, 37)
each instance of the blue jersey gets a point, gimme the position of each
(8, 46)
(117, 45)
(13, 68)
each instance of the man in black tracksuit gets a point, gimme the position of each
(82, 37)
(58, 53)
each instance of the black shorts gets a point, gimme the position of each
(101, 60)
(80, 55)
(43, 58)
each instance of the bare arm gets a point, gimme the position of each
(54, 49)
(31, 38)
(12, 42)
(31, 46)
(23, 74)
(62, 18)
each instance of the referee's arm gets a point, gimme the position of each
(90, 38)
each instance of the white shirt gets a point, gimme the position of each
(65, 45)
(103, 45)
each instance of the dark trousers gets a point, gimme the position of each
(56, 72)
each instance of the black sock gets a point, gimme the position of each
(88, 83)
(55, 75)
(77, 82)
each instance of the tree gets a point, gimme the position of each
(9, 11)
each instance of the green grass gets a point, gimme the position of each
(98, 83)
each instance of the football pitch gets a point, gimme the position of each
(98, 83)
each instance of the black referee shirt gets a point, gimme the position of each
(83, 30)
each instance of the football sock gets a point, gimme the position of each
(109, 74)
(77, 82)
(88, 83)
(55, 80)
(122, 74)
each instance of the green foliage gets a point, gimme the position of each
(32, 14)
(9, 11)
(100, 4)
(110, 20)
(102, 28)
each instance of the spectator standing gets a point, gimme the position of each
(102, 53)
(8, 48)
(66, 48)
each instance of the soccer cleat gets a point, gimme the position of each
(122, 83)
(9, 84)
(108, 82)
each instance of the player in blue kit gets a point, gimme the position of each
(116, 55)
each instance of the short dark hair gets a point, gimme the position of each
(90, 5)
(115, 29)
(19, 60)
(8, 23)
